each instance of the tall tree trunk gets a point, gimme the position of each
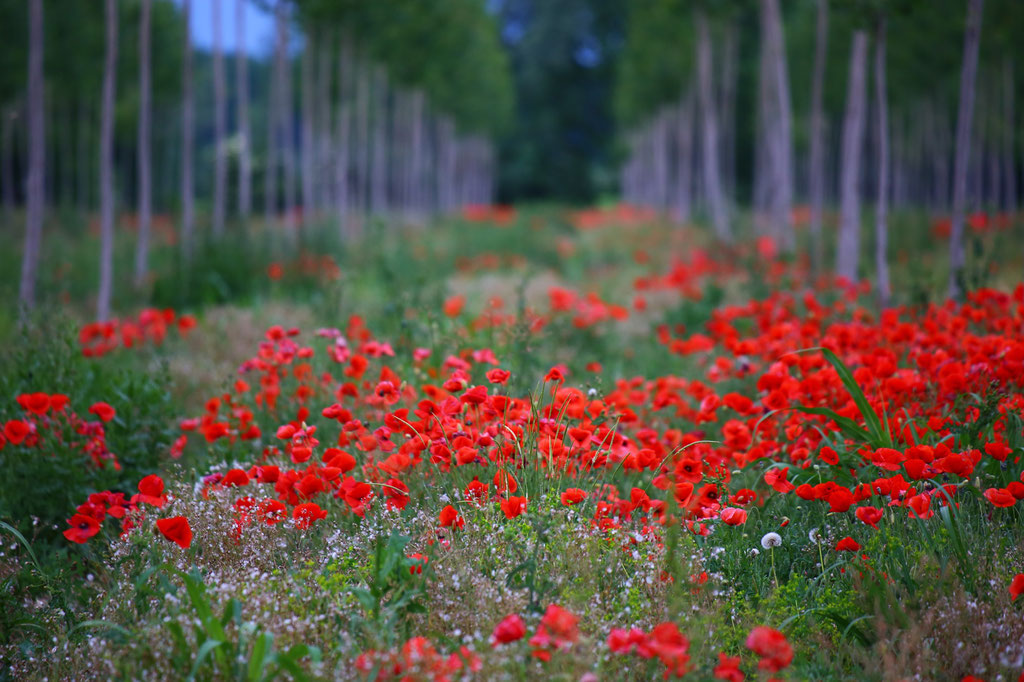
(848, 248)
(416, 161)
(683, 180)
(781, 137)
(816, 172)
(287, 120)
(730, 74)
(379, 171)
(343, 137)
(107, 168)
(1009, 162)
(881, 226)
(274, 106)
(307, 118)
(324, 144)
(10, 117)
(35, 113)
(220, 168)
(145, 178)
(762, 143)
(660, 160)
(972, 36)
(83, 158)
(362, 142)
(712, 176)
(242, 90)
(187, 137)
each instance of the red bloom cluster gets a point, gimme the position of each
(150, 326)
(663, 642)
(418, 659)
(557, 632)
(47, 422)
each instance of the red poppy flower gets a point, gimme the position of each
(557, 630)
(510, 629)
(847, 544)
(498, 376)
(869, 515)
(36, 403)
(58, 401)
(450, 517)
(151, 491)
(840, 500)
(102, 410)
(82, 528)
(234, 478)
(728, 668)
(305, 514)
(776, 478)
(771, 646)
(418, 561)
(272, 511)
(513, 506)
(177, 530)
(733, 516)
(1017, 586)
(453, 306)
(1000, 497)
(16, 431)
(573, 496)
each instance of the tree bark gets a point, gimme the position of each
(712, 175)
(881, 226)
(343, 137)
(379, 171)
(308, 149)
(963, 147)
(816, 172)
(107, 167)
(683, 179)
(1009, 162)
(274, 106)
(848, 248)
(145, 177)
(730, 74)
(242, 90)
(324, 128)
(10, 117)
(220, 168)
(781, 137)
(35, 113)
(187, 138)
(287, 122)
(416, 161)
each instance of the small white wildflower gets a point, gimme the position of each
(754, 551)
(771, 540)
(814, 535)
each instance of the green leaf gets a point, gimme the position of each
(204, 652)
(262, 652)
(100, 624)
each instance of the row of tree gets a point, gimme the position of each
(704, 91)
(385, 108)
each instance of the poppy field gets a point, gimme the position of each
(544, 444)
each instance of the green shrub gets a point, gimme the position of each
(42, 485)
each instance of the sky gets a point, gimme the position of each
(259, 27)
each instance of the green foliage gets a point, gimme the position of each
(48, 482)
(394, 591)
(227, 646)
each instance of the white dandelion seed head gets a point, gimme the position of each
(771, 540)
(814, 535)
